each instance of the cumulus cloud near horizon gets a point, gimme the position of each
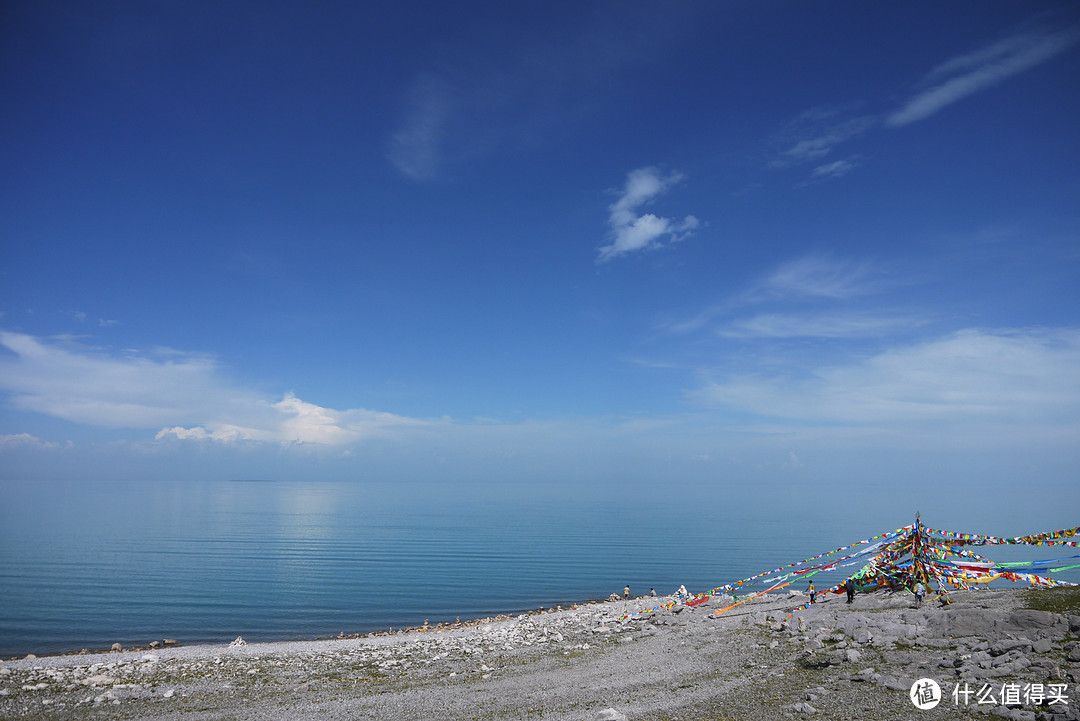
(633, 231)
(185, 396)
(12, 441)
(293, 421)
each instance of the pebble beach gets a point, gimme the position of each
(606, 661)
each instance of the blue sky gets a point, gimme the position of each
(745, 245)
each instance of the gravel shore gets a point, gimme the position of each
(587, 663)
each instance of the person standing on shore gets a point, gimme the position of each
(626, 592)
(812, 591)
(920, 589)
(850, 588)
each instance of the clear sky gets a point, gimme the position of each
(751, 245)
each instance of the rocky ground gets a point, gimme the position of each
(1008, 653)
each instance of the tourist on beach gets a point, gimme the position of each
(652, 592)
(682, 592)
(626, 592)
(920, 589)
(812, 591)
(850, 588)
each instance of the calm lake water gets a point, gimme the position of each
(87, 565)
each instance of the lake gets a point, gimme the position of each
(84, 565)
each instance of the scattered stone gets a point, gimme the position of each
(1004, 645)
(1000, 650)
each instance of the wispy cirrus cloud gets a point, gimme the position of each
(631, 231)
(835, 169)
(820, 276)
(416, 149)
(811, 279)
(187, 396)
(965, 75)
(466, 106)
(859, 324)
(815, 133)
(80, 317)
(830, 171)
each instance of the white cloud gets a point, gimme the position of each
(170, 391)
(968, 74)
(812, 278)
(834, 169)
(1004, 377)
(815, 133)
(819, 325)
(21, 441)
(631, 231)
(819, 276)
(461, 105)
(416, 149)
(292, 420)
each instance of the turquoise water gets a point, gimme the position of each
(87, 565)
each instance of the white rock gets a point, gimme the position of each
(169, 694)
(98, 680)
(609, 714)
